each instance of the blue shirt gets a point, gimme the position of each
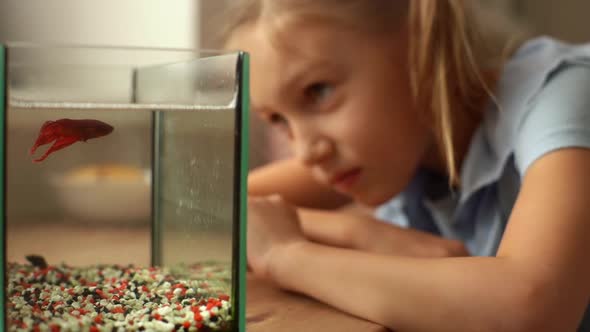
(544, 104)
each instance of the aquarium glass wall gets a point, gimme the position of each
(124, 181)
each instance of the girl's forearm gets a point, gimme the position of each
(410, 294)
(293, 181)
(361, 231)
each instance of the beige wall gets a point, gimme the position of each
(566, 19)
(211, 21)
(153, 23)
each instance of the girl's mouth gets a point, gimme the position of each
(346, 180)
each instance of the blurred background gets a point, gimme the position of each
(193, 24)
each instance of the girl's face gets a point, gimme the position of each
(344, 100)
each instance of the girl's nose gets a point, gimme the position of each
(315, 151)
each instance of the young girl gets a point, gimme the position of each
(474, 153)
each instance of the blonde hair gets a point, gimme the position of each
(449, 55)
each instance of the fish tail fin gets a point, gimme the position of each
(59, 144)
(47, 134)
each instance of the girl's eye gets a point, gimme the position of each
(276, 118)
(280, 122)
(317, 92)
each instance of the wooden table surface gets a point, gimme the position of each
(269, 309)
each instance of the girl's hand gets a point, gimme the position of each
(272, 226)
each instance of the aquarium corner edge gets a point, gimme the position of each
(245, 134)
(3, 102)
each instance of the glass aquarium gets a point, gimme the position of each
(123, 183)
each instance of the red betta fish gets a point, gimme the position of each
(66, 132)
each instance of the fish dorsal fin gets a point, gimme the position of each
(46, 123)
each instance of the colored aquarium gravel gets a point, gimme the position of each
(116, 298)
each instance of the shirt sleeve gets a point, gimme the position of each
(558, 116)
(391, 212)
